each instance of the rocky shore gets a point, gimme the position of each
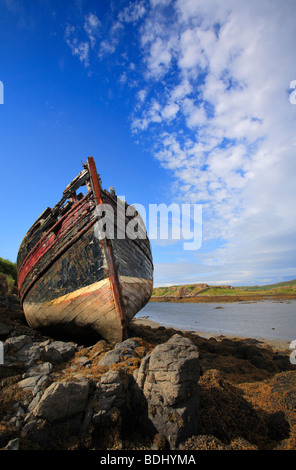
(159, 389)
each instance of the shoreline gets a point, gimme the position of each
(278, 344)
(245, 396)
(225, 298)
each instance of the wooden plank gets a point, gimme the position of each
(135, 263)
(47, 255)
(131, 293)
(47, 240)
(88, 312)
(139, 246)
(138, 285)
(52, 284)
(134, 249)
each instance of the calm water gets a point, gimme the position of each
(264, 319)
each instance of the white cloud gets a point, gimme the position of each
(106, 48)
(170, 111)
(195, 114)
(92, 26)
(132, 13)
(213, 79)
(141, 95)
(78, 48)
(159, 58)
(193, 52)
(182, 89)
(241, 160)
(156, 3)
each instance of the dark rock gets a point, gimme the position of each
(261, 363)
(29, 354)
(38, 431)
(282, 362)
(4, 330)
(277, 425)
(62, 400)
(21, 349)
(3, 285)
(15, 343)
(14, 444)
(121, 352)
(111, 357)
(243, 351)
(85, 425)
(112, 397)
(168, 379)
(59, 351)
(44, 368)
(128, 343)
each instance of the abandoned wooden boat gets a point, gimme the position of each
(76, 277)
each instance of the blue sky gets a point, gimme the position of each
(183, 101)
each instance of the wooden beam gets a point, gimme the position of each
(115, 284)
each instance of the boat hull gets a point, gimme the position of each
(87, 312)
(72, 282)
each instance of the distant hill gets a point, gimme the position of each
(271, 286)
(198, 290)
(189, 290)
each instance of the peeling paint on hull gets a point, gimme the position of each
(70, 280)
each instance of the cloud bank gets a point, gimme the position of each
(211, 86)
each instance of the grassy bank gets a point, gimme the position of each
(9, 270)
(210, 293)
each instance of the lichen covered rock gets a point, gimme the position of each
(168, 385)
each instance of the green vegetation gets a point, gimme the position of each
(9, 269)
(179, 291)
(222, 291)
(271, 286)
(288, 286)
(191, 290)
